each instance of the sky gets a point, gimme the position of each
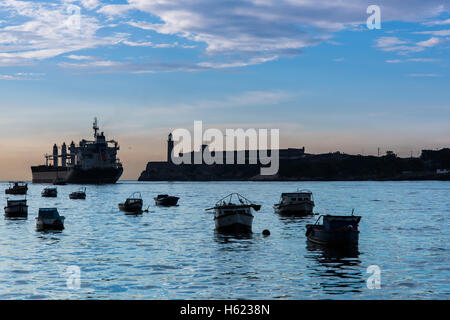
(310, 68)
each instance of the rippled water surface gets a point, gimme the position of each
(174, 253)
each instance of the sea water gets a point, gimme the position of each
(174, 253)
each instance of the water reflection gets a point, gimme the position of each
(288, 219)
(227, 238)
(338, 269)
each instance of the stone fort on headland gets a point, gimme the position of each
(296, 165)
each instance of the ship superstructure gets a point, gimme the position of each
(92, 161)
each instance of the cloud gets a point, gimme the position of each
(242, 100)
(150, 44)
(442, 33)
(412, 60)
(437, 22)
(41, 31)
(20, 76)
(232, 33)
(432, 75)
(394, 44)
(77, 57)
(113, 10)
(266, 27)
(432, 42)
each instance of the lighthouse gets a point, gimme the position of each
(169, 148)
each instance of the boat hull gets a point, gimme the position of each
(167, 202)
(317, 234)
(134, 208)
(302, 208)
(49, 174)
(76, 196)
(49, 224)
(49, 194)
(233, 222)
(17, 191)
(16, 211)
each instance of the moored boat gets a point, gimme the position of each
(133, 204)
(16, 208)
(17, 187)
(334, 230)
(80, 194)
(295, 203)
(49, 219)
(230, 217)
(166, 200)
(49, 192)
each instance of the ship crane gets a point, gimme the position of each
(95, 127)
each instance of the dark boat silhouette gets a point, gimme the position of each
(17, 187)
(16, 208)
(166, 200)
(49, 192)
(335, 230)
(133, 204)
(80, 194)
(49, 219)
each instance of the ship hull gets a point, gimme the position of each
(48, 174)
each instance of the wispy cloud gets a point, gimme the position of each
(427, 75)
(412, 60)
(442, 33)
(437, 22)
(22, 76)
(77, 57)
(402, 47)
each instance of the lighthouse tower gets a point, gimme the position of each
(169, 149)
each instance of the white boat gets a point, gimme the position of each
(16, 208)
(49, 218)
(230, 217)
(295, 203)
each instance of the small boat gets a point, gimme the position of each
(166, 200)
(295, 203)
(230, 217)
(49, 219)
(16, 208)
(49, 192)
(59, 182)
(17, 187)
(132, 204)
(335, 230)
(80, 194)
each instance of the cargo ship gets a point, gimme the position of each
(91, 162)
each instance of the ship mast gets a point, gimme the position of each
(95, 127)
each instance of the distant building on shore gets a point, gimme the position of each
(284, 154)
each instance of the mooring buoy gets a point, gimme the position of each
(266, 232)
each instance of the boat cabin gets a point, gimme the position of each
(300, 196)
(340, 222)
(48, 213)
